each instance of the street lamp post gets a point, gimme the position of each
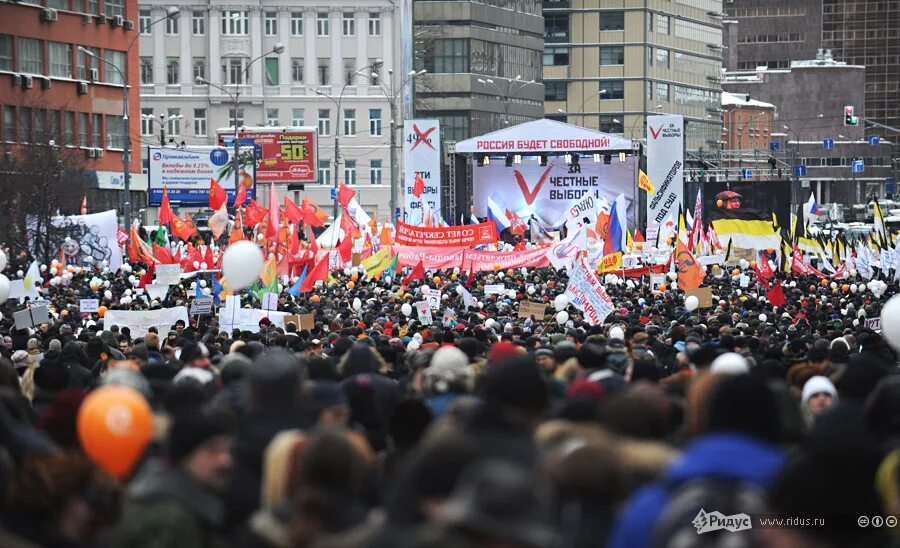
(508, 93)
(581, 108)
(277, 49)
(162, 124)
(171, 12)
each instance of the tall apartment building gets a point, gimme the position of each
(483, 62)
(52, 91)
(608, 65)
(331, 51)
(771, 33)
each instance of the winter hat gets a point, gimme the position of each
(518, 383)
(503, 352)
(190, 430)
(55, 344)
(20, 359)
(52, 374)
(33, 344)
(730, 363)
(818, 384)
(744, 404)
(449, 369)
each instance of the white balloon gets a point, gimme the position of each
(833, 285)
(561, 302)
(617, 332)
(357, 304)
(673, 276)
(890, 322)
(530, 290)
(203, 266)
(853, 272)
(4, 288)
(242, 264)
(763, 318)
(127, 293)
(691, 303)
(406, 308)
(53, 271)
(105, 283)
(20, 274)
(562, 317)
(3, 261)
(501, 275)
(456, 270)
(206, 291)
(202, 283)
(43, 268)
(107, 294)
(853, 288)
(743, 264)
(511, 293)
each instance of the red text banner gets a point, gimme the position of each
(456, 236)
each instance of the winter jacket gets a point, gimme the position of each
(725, 456)
(166, 508)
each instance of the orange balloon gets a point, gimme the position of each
(496, 268)
(662, 287)
(509, 272)
(101, 311)
(736, 272)
(436, 279)
(824, 282)
(354, 277)
(719, 203)
(845, 288)
(350, 285)
(769, 250)
(551, 283)
(315, 298)
(752, 264)
(115, 424)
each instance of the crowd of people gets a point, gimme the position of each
(482, 429)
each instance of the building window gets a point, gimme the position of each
(555, 57)
(324, 172)
(270, 24)
(112, 8)
(199, 68)
(615, 89)
(662, 92)
(233, 70)
(84, 136)
(9, 123)
(235, 23)
(297, 117)
(349, 70)
(68, 128)
(555, 91)
(375, 172)
(6, 55)
(324, 122)
(324, 70)
(172, 26)
(272, 71)
(146, 70)
(374, 24)
(117, 60)
(115, 132)
(173, 70)
(297, 70)
(556, 27)
(662, 23)
(198, 23)
(60, 60)
(612, 20)
(612, 55)
(375, 67)
(611, 123)
(92, 6)
(200, 122)
(144, 20)
(31, 58)
(350, 122)
(349, 24)
(40, 126)
(236, 117)
(271, 116)
(97, 130)
(375, 122)
(450, 56)
(321, 24)
(87, 62)
(146, 121)
(350, 172)
(454, 127)
(662, 57)
(296, 23)
(697, 32)
(173, 119)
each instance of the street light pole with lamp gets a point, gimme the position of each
(277, 49)
(171, 13)
(162, 124)
(508, 93)
(581, 107)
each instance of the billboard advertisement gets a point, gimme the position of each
(186, 174)
(548, 192)
(665, 168)
(283, 154)
(422, 155)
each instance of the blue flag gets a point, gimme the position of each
(198, 293)
(295, 289)
(216, 289)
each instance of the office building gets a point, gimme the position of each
(771, 33)
(610, 64)
(324, 74)
(52, 91)
(747, 122)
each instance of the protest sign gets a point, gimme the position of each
(140, 321)
(873, 323)
(270, 301)
(703, 294)
(494, 289)
(528, 309)
(585, 293)
(168, 274)
(424, 312)
(31, 316)
(201, 305)
(433, 296)
(463, 235)
(88, 305)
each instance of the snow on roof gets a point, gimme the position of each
(729, 99)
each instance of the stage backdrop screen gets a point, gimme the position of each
(530, 189)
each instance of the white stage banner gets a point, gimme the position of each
(550, 192)
(91, 239)
(140, 321)
(665, 168)
(422, 155)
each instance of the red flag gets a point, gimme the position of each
(418, 186)
(254, 213)
(763, 270)
(292, 212)
(138, 250)
(313, 245)
(638, 236)
(318, 272)
(274, 210)
(517, 225)
(294, 247)
(162, 254)
(147, 277)
(775, 296)
(241, 195)
(165, 210)
(312, 213)
(183, 228)
(208, 257)
(217, 195)
(349, 225)
(345, 248)
(345, 194)
(418, 273)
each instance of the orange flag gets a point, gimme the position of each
(385, 236)
(237, 230)
(217, 195)
(312, 213)
(138, 250)
(165, 210)
(254, 214)
(690, 273)
(183, 228)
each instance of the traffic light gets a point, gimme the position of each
(850, 119)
